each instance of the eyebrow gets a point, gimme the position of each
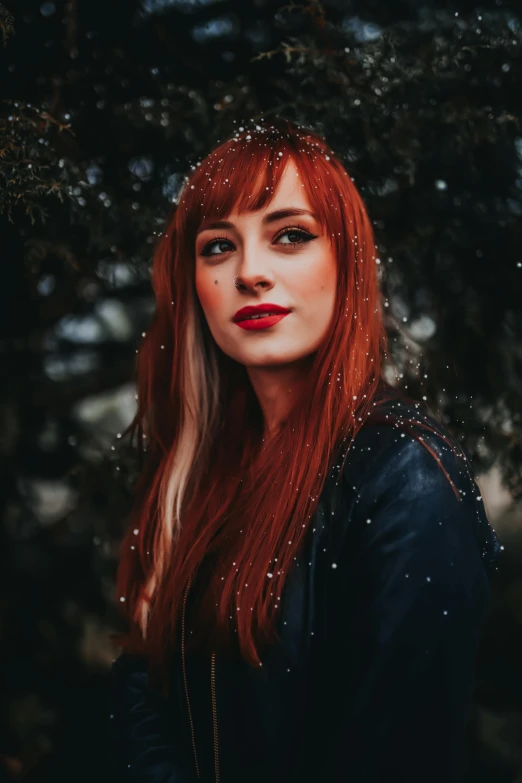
(270, 218)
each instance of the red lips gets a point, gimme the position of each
(266, 307)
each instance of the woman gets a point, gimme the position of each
(307, 565)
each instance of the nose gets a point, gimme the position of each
(252, 282)
(252, 274)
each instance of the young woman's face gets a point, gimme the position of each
(256, 248)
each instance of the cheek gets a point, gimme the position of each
(320, 278)
(210, 295)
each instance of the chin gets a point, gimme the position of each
(272, 358)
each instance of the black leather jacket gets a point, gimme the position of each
(373, 676)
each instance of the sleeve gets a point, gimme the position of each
(145, 742)
(405, 607)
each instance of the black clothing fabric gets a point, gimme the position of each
(380, 619)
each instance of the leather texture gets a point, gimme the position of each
(372, 678)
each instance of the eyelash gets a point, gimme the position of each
(288, 230)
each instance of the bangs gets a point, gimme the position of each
(244, 173)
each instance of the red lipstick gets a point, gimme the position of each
(274, 313)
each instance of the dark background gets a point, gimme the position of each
(106, 105)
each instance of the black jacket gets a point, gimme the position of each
(379, 624)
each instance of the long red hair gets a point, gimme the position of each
(208, 494)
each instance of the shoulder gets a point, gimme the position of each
(412, 479)
(402, 440)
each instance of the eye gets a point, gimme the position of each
(297, 231)
(214, 241)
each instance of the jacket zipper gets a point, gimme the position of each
(214, 714)
(213, 691)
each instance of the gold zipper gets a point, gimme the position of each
(214, 712)
(213, 690)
